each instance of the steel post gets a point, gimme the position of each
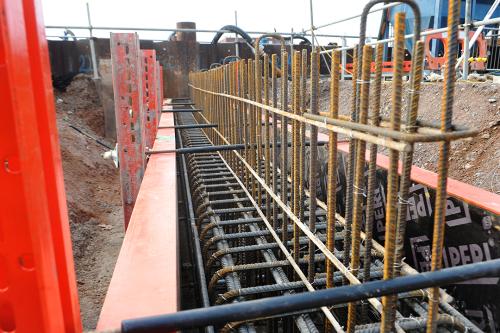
(466, 50)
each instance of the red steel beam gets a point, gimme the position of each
(130, 130)
(37, 282)
(145, 281)
(149, 95)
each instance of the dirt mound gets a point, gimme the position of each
(93, 193)
(82, 100)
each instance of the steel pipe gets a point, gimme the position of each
(282, 304)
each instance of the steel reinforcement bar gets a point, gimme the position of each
(264, 232)
(240, 248)
(237, 97)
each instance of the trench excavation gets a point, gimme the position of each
(240, 260)
(250, 166)
(289, 232)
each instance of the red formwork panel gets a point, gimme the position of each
(145, 281)
(54, 181)
(130, 130)
(37, 285)
(149, 95)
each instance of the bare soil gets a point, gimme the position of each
(93, 194)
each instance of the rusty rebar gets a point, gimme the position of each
(313, 157)
(411, 122)
(274, 101)
(284, 138)
(296, 85)
(276, 179)
(332, 173)
(302, 153)
(444, 152)
(359, 175)
(258, 124)
(267, 134)
(350, 168)
(252, 123)
(388, 302)
(372, 169)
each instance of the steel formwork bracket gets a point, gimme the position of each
(149, 95)
(130, 127)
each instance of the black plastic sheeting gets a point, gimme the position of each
(471, 235)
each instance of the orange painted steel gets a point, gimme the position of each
(130, 129)
(145, 281)
(149, 95)
(37, 280)
(387, 67)
(437, 62)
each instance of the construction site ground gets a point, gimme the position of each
(93, 190)
(93, 193)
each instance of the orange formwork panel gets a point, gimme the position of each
(37, 281)
(130, 130)
(146, 277)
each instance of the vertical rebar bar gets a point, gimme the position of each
(296, 85)
(388, 302)
(274, 101)
(284, 145)
(446, 118)
(252, 125)
(302, 156)
(232, 111)
(246, 134)
(267, 148)
(313, 161)
(331, 197)
(350, 169)
(411, 123)
(359, 175)
(372, 169)
(258, 123)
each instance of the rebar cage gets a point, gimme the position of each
(262, 228)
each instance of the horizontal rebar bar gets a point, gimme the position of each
(181, 110)
(189, 126)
